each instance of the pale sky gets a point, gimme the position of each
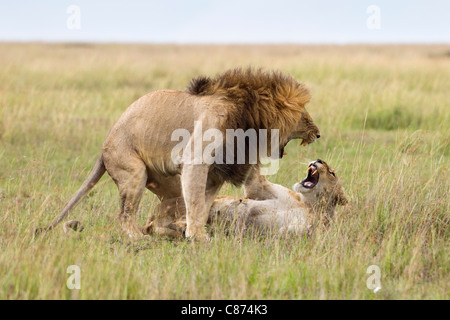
(227, 21)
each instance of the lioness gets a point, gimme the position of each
(137, 153)
(285, 211)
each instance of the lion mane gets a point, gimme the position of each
(257, 99)
(254, 99)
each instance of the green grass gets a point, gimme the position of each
(384, 115)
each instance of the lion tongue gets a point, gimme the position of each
(308, 184)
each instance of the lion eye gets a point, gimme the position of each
(331, 172)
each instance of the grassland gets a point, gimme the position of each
(384, 113)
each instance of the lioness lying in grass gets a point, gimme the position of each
(279, 209)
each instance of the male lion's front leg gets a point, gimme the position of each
(193, 182)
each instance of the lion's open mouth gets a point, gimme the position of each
(313, 177)
(304, 142)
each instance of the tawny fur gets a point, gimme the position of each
(257, 99)
(137, 153)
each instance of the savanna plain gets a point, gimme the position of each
(384, 115)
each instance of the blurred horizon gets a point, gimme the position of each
(233, 22)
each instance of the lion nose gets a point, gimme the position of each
(319, 161)
(318, 136)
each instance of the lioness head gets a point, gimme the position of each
(321, 189)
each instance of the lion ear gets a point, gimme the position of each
(343, 200)
(340, 199)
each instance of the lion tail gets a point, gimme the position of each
(149, 226)
(97, 172)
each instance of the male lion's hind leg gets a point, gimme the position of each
(131, 180)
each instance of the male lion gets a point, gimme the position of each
(137, 153)
(286, 212)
